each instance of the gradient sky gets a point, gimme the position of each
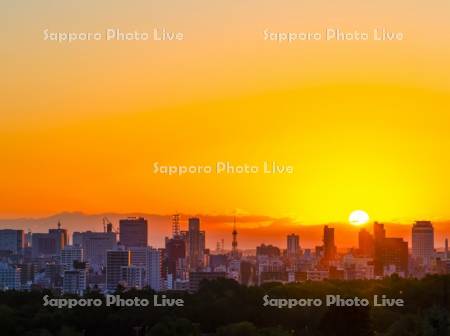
(365, 124)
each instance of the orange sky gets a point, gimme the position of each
(365, 124)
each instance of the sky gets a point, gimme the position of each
(365, 124)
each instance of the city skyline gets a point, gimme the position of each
(252, 230)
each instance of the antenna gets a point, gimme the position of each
(234, 251)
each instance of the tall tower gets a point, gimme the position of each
(175, 225)
(234, 250)
(329, 247)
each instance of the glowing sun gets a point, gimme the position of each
(358, 217)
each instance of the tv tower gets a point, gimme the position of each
(234, 250)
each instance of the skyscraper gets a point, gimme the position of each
(293, 245)
(394, 252)
(366, 243)
(423, 241)
(115, 259)
(154, 269)
(176, 253)
(329, 247)
(379, 234)
(12, 240)
(133, 232)
(195, 244)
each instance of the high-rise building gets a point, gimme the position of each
(293, 245)
(70, 254)
(195, 244)
(423, 241)
(379, 233)
(133, 232)
(9, 276)
(154, 269)
(394, 252)
(49, 244)
(12, 240)
(366, 243)
(115, 260)
(329, 247)
(95, 245)
(176, 253)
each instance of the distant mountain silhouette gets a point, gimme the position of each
(252, 230)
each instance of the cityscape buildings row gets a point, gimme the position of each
(105, 260)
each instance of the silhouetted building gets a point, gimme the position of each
(195, 244)
(329, 247)
(394, 252)
(195, 278)
(175, 250)
(366, 243)
(267, 250)
(133, 232)
(293, 245)
(115, 260)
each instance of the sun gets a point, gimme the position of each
(358, 217)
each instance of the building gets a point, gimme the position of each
(423, 241)
(366, 245)
(48, 244)
(95, 245)
(12, 240)
(176, 253)
(74, 280)
(154, 264)
(267, 250)
(9, 277)
(69, 255)
(394, 252)
(293, 245)
(195, 278)
(329, 246)
(379, 234)
(195, 244)
(133, 277)
(115, 260)
(133, 232)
